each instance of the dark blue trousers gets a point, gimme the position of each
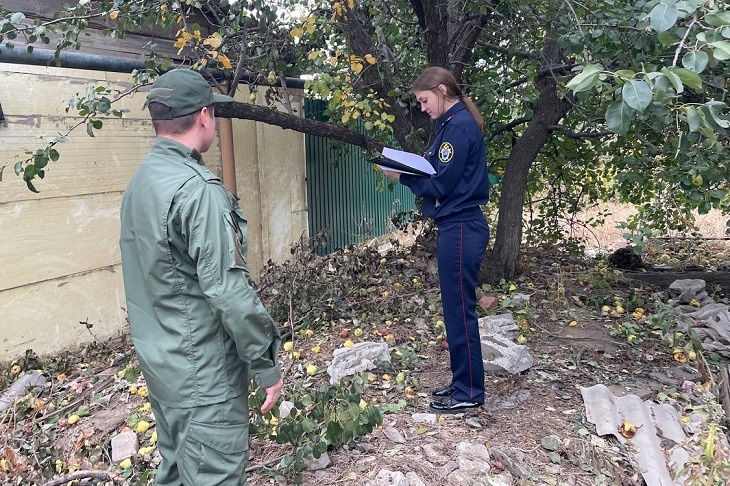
(461, 246)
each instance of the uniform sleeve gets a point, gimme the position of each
(451, 156)
(212, 229)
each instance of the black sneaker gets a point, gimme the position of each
(443, 392)
(453, 406)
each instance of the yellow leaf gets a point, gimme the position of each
(370, 59)
(213, 41)
(223, 59)
(297, 32)
(114, 14)
(345, 117)
(180, 43)
(628, 430)
(356, 66)
(351, 4)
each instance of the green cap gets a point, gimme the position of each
(183, 91)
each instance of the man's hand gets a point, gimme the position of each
(272, 395)
(392, 174)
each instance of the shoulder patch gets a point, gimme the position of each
(446, 152)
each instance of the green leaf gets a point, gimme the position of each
(53, 155)
(636, 94)
(712, 108)
(83, 411)
(586, 79)
(618, 117)
(18, 168)
(40, 160)
(625, 74)
(693, 118)
(721, 50)
(17, 18)
(31, 187)
(493, 178)
(663, 17)
(718, 19)
(90, 129)
(689, 78)
(695, 61)
(97, 124)
(674, 79)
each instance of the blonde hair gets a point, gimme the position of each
(432, 77)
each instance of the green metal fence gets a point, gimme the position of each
(345, 205)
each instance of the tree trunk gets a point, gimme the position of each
(502, 262)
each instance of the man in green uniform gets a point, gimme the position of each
(199, 330)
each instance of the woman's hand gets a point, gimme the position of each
(392, 174)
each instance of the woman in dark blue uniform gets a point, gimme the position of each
(452, 197)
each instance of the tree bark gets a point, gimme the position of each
(503, 261)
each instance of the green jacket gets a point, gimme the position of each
(198, 327)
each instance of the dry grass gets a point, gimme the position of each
(609, 235)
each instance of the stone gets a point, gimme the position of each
(514, 461)
(20, 387)
(686, 289)
(424, 418)
(393, 434)
(501, 354)
(432, 453)
(488, 302)
(414, 480)
(362, 356)
(388, 478)
(550, 442)
(472, 451)
(499, 351)
(317, 463)
(520, 299)
(459, 478)
(503, 324)
(124, 445)
(473, 423)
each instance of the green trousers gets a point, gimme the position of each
(202, 446)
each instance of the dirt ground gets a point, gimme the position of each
(573, 340)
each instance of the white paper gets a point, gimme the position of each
(409, 159)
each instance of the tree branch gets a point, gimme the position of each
(510, 126)
(568, 132)
(684, 38)
(87, 474)
(245, 111)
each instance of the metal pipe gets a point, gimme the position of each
(68, 59)
(95, 62)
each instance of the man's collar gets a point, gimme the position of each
(171, 145)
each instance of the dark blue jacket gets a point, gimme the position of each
(458, 155)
